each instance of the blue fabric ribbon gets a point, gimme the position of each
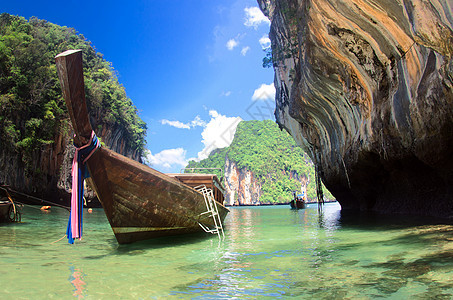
(79, 173)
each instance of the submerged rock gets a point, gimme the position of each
(366, 87)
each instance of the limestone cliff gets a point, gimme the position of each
(263, 165)
(35, 146)
(366, 88)
(54, 162)
(243, 187)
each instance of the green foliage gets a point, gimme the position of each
(273, 157)
(287, 46)
(273, 56)
(32, 107)
(215, 160)
(268, 60)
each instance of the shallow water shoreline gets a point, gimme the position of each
(269, 252)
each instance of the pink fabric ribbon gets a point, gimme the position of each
(79, 173)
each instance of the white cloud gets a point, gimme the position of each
(176, 124)
(255, 17)
(167, 159)
(218, 133)
(265, 42)
(245, 50)
(231, 44)
(264, 92)
(197, 121)
(226, 94)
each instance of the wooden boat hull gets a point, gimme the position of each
(297, 204)
(140, 202)
(5, 209)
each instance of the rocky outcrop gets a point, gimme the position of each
(46, 164)
(366, 88)
(242, 187)
(54, 162)
(35, 131)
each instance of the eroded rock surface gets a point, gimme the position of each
(55, 162)
(366, 87)
(241, 186)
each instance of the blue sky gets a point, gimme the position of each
(193, 68)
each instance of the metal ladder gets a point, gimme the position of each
(212, 210)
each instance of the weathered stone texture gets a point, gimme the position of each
(241, 187)
(54, 162)
(366, 87)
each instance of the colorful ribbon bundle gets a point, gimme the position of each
(79, 173)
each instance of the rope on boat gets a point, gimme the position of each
(16, 216)
(33, 198)
(58, 239)
(79, 173)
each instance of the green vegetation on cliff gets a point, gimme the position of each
(273, 157)
(32, 110)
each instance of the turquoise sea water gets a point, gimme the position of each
(268, 253)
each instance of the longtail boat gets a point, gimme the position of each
(139, 202)
(9, 211)
(5, 211)
(298, 201)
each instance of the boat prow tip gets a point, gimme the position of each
(68, 52)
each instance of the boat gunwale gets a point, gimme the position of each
(70, 73)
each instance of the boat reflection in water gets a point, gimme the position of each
(76, 280)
